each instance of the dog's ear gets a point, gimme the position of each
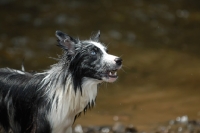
(96, 36)
(66, 42)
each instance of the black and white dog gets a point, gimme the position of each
(49, 102)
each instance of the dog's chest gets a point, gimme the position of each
(69, 103)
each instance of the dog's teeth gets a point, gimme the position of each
(110, 73)
(115, 73)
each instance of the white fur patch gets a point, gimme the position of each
(70, 103)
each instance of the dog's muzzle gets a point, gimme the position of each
(111, 73)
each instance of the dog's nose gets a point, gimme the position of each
(118, 61)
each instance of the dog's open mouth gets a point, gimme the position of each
(110, 76)
(112, 73)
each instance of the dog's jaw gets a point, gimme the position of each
(109, 79)
(110, 76)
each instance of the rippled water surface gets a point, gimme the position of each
(158, 41)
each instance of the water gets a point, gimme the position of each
(158, 41)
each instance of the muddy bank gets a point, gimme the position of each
(179, 125)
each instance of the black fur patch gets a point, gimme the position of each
(21, 104)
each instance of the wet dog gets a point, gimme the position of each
(50, 101)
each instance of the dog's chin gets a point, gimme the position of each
(109, 79)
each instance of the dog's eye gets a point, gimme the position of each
(93, 52)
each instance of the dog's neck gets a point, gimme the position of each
(66, 102)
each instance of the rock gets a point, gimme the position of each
(131, 129)
(118, 128)
(78, 129)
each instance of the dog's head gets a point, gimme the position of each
(89, 58)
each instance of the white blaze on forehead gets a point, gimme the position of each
(100, 46)
(106, 57)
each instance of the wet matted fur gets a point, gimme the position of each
(50, 101)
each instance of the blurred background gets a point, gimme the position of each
(159, 42)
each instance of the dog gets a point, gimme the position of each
(50, 101)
